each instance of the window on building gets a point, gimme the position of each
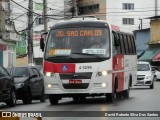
(128, 6)
(39, 21)
(128, 21)
(89, 9)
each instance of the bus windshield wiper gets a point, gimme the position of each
(89, 55)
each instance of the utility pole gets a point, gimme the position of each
(30, 33)
(141, 23)
(2, 20)
(75, 9)
(9, 9)
(45, 15)
(156, 7)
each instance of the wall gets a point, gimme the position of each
(22, 61)
(101, 13)
(9, 55)
(142, 40)
(155, 30)
(112, 11)
(1, 56)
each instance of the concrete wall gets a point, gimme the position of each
(101, 13)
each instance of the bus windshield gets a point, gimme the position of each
(85, 43)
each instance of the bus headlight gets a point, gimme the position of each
(104, 73)
(48, 74)
(49, 85)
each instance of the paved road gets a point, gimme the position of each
(141, 99)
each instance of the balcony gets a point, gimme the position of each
(11, 36)
(10, 33)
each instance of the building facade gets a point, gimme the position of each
(8, 37)
(152, 54)
(55, 12)
(127, 14)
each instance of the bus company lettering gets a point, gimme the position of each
(76, 33)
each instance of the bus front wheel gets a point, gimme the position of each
(53, 100)
(110, 97)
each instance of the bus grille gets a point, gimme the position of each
(75, 76)
(80, 86)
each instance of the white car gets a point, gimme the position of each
(156, 72)
(144, 74)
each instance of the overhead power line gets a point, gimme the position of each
(24, 7)
(19, 16)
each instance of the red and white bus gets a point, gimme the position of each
(88, 58)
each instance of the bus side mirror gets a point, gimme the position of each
(42, 41)
(42, 44)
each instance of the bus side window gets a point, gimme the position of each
(130, 44)
(125, 43)
(133, 45)
(122, 44)
(114, 50)
(117, 47)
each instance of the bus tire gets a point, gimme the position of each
(82, 99)
(110, 97)
(126, 93)
(75, 98)
(118, 95)
(53, 100)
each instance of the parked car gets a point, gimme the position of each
(144, 74)
(156, 72)
(7, 88)
(29, 84)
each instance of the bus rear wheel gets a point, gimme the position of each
(53, 100)
(126, 93)
(110, 97)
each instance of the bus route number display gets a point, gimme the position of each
(76, 33)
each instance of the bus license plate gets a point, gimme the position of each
(75, 81)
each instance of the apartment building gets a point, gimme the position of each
(129, 15)
(8, 36)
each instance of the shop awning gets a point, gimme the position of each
(156, 58)
(150, 54)
(3, 47)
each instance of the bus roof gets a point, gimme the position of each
(86, 23)
(79, 23)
